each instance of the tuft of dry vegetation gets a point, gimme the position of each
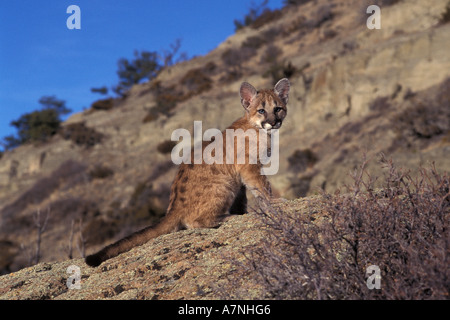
(166, 146)
(302, 159)
(258, 16)
(196, 82)
(277, 68)
(426, 118)
(234, 59)
(81, 135)
(402, 228)
(445, 18)
(100, 172)
(104, 104)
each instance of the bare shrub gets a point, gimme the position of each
(445, 17)
(8, 252)
(323, 14)
(234, 59)
(426, 118)
(277, 68)
(104, 104)
(301, 160)
(296, 2)
(258, 16)
(254, 42)
(100, 172)
(81, 135)
(266, 16)
(166, 146)
(196, 82)
(166, 98)
(380, 104)
(324, 253)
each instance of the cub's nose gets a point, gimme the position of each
(277, 124)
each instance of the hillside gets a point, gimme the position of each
(108, 173)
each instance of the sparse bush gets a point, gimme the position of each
(445, 18)
(301, 160)
(38, 126)
(349, 46)
(254, 42)
(271, 54)
(8, 252)
(196, 82)
(403, 228)
(210, 68)
(172, 55)
(166, 99)
(166, 146)
(277, 68)
(81, 135)
(380, 104)
(104, 104)
(329, 34)
(150, 116)
(271, 34)
(296, 2)
(145, 65)
(425, 119)
(101, 90)
(265, 17)
(323, 14)
(278, 71)
(235, 57)
(256, 13)
(100, 172)
(234, 60)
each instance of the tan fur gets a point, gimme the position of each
(203, 195)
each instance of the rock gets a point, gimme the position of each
(190, 264)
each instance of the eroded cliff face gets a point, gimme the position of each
(354, 90)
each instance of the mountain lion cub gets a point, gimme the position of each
(203, 194)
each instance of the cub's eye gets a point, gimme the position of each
(261, 111)
(277, 109)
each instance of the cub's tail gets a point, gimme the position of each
(167, 225)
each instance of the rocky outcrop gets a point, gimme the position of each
(190, 264)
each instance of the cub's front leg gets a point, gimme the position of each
(258, 185)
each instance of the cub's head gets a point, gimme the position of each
(266, 109)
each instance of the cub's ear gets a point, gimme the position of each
(282, 90)
(247, 93)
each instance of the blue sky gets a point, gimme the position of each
(40, 56)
